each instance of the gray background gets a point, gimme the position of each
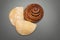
(48, 28)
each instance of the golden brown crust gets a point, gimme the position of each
(33, 13)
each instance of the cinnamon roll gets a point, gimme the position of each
(33, 13)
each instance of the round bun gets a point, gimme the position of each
(33, 13)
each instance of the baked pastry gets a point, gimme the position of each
(16, 14)
(33, 13)
(25, 27)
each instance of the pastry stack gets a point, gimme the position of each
(24, 20)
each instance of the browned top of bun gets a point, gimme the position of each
(33, 12)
